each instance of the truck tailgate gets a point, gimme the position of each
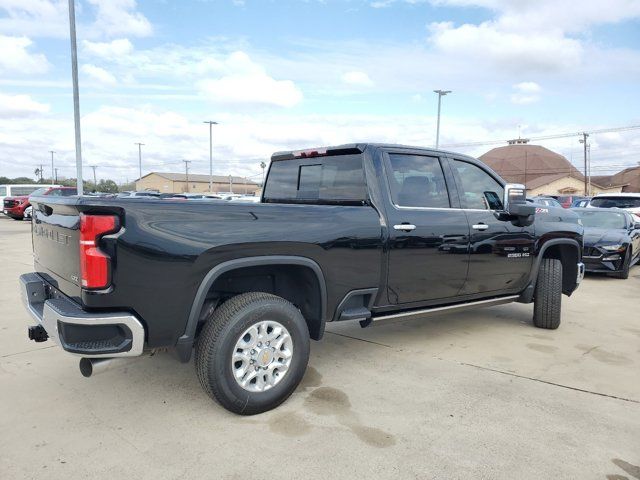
(56, 247)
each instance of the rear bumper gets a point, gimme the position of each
(88, 334)
(16, 212)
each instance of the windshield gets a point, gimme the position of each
(610, 220)
(39, 191)
(619, 202)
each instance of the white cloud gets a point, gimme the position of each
(514, 51)
(109, 50)
(525, 93)
(246, 82)
(529, 35)
(50, 18)
(98, 74)
(119, 17)
(357, 78)
(20, 106)
(241, 141)
(15, 57)
(41, 18)
(257, 88)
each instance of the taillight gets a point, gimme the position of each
(318, 152)
(94, 264)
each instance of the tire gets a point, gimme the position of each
(548, 294)
(626, 266)
(220, 337)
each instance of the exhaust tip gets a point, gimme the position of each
(86, 367)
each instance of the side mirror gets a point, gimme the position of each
(515, 201)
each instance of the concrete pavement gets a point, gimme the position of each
(480, 394)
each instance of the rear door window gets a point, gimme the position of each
(417, 181)
(321, 179)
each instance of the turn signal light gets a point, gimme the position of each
(95, 265)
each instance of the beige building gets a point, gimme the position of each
(542, 171)
(629, 177)
(177, 183)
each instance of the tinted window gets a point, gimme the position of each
(330, 179)
(3, 191)
(16, 191)
(417, 181)
(618, 202)
(68, 192)
(473, 182)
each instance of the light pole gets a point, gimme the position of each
(211, 124)
(76, 95)
(441, 93)
(139, 158)
(52, 169)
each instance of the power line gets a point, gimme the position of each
(544, 137)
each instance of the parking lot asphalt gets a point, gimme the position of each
(480, 394)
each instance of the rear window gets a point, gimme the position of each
(617, 202)
(317, 180)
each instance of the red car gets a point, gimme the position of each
(14, 207)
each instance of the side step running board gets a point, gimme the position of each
(426, 312)
(357, 313)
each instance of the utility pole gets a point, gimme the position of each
(186, 171)
(76, 95)
(211, 124)
(262, 166)
(230, 184)
(41, 172)
(94, 176)
(589, 166)
(52, 152)
(441, 93)
(585, 135)
(139, 158)
(56, 173)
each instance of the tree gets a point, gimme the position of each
(127, 187)
(107, 186)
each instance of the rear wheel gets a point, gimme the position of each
(252, 352)
(548, 294)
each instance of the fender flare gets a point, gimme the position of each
(527, 294)
(184, 344)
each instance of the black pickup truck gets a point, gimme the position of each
(363, 232)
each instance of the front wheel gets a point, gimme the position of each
(252, 352)
(548, 294)
(626, 265)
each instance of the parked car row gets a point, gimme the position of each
(18, 207)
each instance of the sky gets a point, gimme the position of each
(288, 74)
